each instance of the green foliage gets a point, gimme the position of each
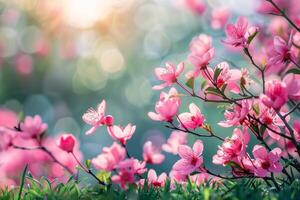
(72, 190)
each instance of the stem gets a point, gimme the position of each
(127, 153)
(87, 170)
(295, 63)
(46, 151)
(284, 15)
(292, 110)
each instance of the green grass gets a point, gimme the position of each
(43, 189)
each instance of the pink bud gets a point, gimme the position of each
(109, 120)
(66, 142)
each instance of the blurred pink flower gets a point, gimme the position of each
(124, 176)
(32, 127)
(192, 119)
(176, 138)
(66, 142)
(276, 94)
(152, 154)
(266, 161)
(292, 82)
(97, 118)
(196, 6)
(232, 149)
(24, 64)
(121, 134)
(110, 157)
(219, 17)
(167, 106)
(201, 53)
(156, 181)
(168, 75)
(191, 159)
(8, 118)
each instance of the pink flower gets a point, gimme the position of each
(219, 17)
(266, 161)
(197, 6)
(138, 167)
(191, 159)
(276, 94)
(32, 127)
(292, 82)
(232, 149)
(8, 118)
(176, 138)
(66, 142)
(124, 176)
(167, 106)
(156, 181)
(192, 119)
(177, 177)
(202, 52)
(281, 52)
(200, 179)
(24, 64)
(237, 114)
(238, 33)
(152, 154)
(168, 75)
(97, 118)
(110, 157)
(121, 134)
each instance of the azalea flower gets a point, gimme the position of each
(265, 161)
(156, 181)
(32, 127)
(167, 106)
(191, 159)
(192, 119)
(168, 75)
(121, 134)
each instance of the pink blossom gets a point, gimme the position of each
(168, 75)
(292, 82)
(32, 127)
(124, 176)
(121, 134)
(110, 157)
(200, 179)
(152, 154)
(177, 177)
(201, 52)
(238, 33)
(138, 167)
(176, 138)
(237, 114)
(281, 52)
(66, 142)
(167, 106)
(197, 6)
(276, 94)
(8, 118)
(192, 119)
(156, 181)
(24, 64)
(191, 159)
(232, 148)
(219, 17)
(266, 161)
(97, 117)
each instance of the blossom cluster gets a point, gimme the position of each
(260, 107)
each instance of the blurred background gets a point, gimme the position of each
(60, 57)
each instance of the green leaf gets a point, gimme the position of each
(251, 37)
(294, 71)
(217, 73)
(22, 182)
(190, 83)
(233, 164)
(262, 130)
(103, 176)
(203, 84)
(255, 108)
(88, 163)
(212, 90)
